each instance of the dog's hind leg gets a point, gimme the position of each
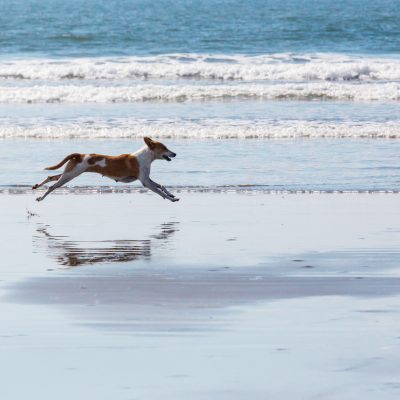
(71, 171)
(48, 179)
(65, 177)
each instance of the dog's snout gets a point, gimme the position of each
(173, 154)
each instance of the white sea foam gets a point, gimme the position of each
(202, 129)
(274, 67)
(181, 93)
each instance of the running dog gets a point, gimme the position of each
(124, 168)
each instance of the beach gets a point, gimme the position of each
(276, 275)
(228, 295)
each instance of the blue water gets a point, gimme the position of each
(313, 87)
(83, 28)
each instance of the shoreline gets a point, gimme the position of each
(246, 189)
(326, 165)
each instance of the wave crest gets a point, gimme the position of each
(181, 93)
(274, 67)
(204, 129)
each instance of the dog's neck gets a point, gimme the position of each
(145, 157)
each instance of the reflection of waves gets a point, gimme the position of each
(72, 253)
(218, 128)
(272, 67)
(369, 91)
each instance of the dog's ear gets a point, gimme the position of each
(149, 142)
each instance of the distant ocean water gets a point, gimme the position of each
(209, 69)
(92, 28)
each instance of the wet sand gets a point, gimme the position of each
(219, 296)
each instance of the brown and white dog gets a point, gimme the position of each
(123, 168)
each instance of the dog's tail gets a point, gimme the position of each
(73, 156)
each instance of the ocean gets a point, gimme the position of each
(290, 96)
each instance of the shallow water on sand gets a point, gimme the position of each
(157, 298)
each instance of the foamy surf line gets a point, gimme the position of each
(270, 67)
(369, 91)
(224, 189)
(131, 128)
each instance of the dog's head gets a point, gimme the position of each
(161, 152)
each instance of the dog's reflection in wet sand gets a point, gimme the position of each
(70, 253)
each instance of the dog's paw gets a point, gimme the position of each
(174, 199)
(39, 199)
(164, 189)
(35, 186)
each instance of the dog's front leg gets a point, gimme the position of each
(164, 189)
(156, 188)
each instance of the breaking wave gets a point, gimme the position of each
(132, 128)
(182, 93)
(273, 67)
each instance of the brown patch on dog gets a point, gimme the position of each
(94, 158)
(72, 164)
(154, 145)
(159, 148)
(121, 166)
